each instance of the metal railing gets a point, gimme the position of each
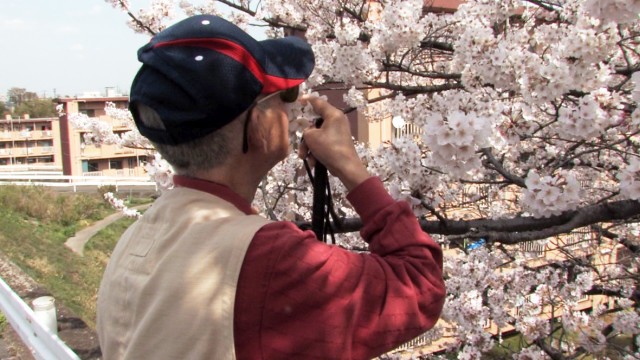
(74, 182)
(43, 343)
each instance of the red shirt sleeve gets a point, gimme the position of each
(299, 298)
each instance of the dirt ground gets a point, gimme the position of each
(71, 329)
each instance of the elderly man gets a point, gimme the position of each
(201, 275)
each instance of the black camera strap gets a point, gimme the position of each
(322, 208)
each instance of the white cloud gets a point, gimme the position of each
(67, 29)
(13, 24)
(96, 9)
(76, 47)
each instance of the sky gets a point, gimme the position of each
(66, 47)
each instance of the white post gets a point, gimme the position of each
(43, 343)
(44, 309)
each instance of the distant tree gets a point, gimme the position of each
(19, 95)
(36, 108)
(3, 109)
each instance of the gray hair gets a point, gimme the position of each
(198, 155)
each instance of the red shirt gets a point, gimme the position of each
(299, 298)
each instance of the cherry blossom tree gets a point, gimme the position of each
(526, 137)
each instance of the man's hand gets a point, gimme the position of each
(332, 145)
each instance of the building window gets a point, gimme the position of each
(89, 112)
(89, 166)
(115, 164)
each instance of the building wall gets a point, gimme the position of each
(84, 158)
(27, 142)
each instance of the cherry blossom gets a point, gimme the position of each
(517, 115)
(119, 205)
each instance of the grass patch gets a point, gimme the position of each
(35, 222)
(3, 323)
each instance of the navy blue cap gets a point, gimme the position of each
(204, 71)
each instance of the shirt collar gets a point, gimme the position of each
(219, 190)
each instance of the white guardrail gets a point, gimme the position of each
(73, 182)
(43, 344)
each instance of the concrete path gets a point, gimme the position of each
(77, 242)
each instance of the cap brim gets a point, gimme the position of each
(288, 62)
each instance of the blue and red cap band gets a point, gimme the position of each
(203, 72)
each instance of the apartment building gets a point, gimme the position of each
(80, 157)
(30, 143)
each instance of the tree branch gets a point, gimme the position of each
(549, 350)
(497, 166)
(410, 90)
(543, 4)
(438, 45)
(140, 24)
(520, 228)
(601, 290)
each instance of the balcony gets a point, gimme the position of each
(24, 135)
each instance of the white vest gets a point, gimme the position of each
(169, 289)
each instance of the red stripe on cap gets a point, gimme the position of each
(235, 51)
(226, 47)
(276, 83)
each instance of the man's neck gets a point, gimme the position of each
(237, 176)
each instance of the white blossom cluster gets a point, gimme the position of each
(347, 63)
(150, 20)
(454, 139)
(531, 353)
(551, 195)
(635, 93)
(620, 11)
(289, 12)
(533, 60)
(399, 26)
(160, 171)
(347, 32)
(131, 138)
(630, 179)
(635, 96)
(191, 9)
(301, 114)
(587, 118)
(465, 308)
(466, 311)
(627, 322)
(401, 163)
(355, 98)
(96, 131)
(119, 205)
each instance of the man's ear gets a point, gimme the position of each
(256, 130)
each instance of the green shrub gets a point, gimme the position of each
(106, 189)
(48, 206)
